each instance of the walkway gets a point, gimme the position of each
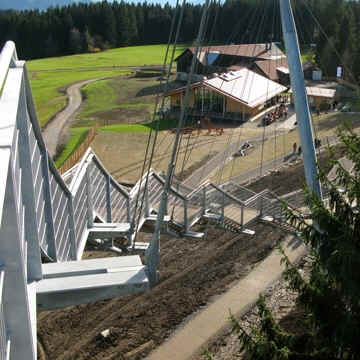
(190, 340)
(52, 131)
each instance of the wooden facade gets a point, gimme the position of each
(216, 105)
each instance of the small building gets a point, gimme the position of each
(319, 97)
(234, 95)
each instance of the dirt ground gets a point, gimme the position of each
(282, 144)
(123, 153)
(192, 273)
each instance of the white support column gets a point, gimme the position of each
(300, 96)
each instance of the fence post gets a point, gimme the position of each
(242, 215)
(76, 155)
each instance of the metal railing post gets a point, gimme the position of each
(108, 200)
(34, 267)
(90, 210)
(48, 205)
(147, 203)
(186, 222)
(204, 201)
(16, 305)
(222, 208)
(72, 228)
(128, 215)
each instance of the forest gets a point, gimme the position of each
(332, 26)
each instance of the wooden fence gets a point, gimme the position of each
(79, 152)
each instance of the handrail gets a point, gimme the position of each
(233, 198)
(201, 186)
(172, 189)
(256, 196)
(8, 57)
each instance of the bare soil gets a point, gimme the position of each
(192, 272)
(292, 177)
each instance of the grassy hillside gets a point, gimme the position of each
(127, 56)
(49, 77)
(49, 88)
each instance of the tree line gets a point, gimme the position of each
(89, 27)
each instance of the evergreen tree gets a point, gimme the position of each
(331, 296)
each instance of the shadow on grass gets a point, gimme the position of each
(164, 124)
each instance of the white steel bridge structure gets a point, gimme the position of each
(46, 219)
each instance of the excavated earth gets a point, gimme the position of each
(192, 273)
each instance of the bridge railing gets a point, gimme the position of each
(4, 338)
(19, 235)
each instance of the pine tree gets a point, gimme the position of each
(331, 296)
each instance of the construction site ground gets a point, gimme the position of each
(193, 274)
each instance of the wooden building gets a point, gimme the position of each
(265, 59)
(319, 97)
(234, 95)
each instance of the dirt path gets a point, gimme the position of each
(52, 132)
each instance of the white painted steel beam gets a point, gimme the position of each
(79, 282)
(300, 96)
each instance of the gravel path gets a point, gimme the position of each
(52, 132)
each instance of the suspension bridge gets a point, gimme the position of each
(47, 219)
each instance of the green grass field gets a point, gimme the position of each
(48, 88)
(50, 77)
(127, 56)
(119, 100)
(77, 136)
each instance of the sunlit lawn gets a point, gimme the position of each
(126, 56)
